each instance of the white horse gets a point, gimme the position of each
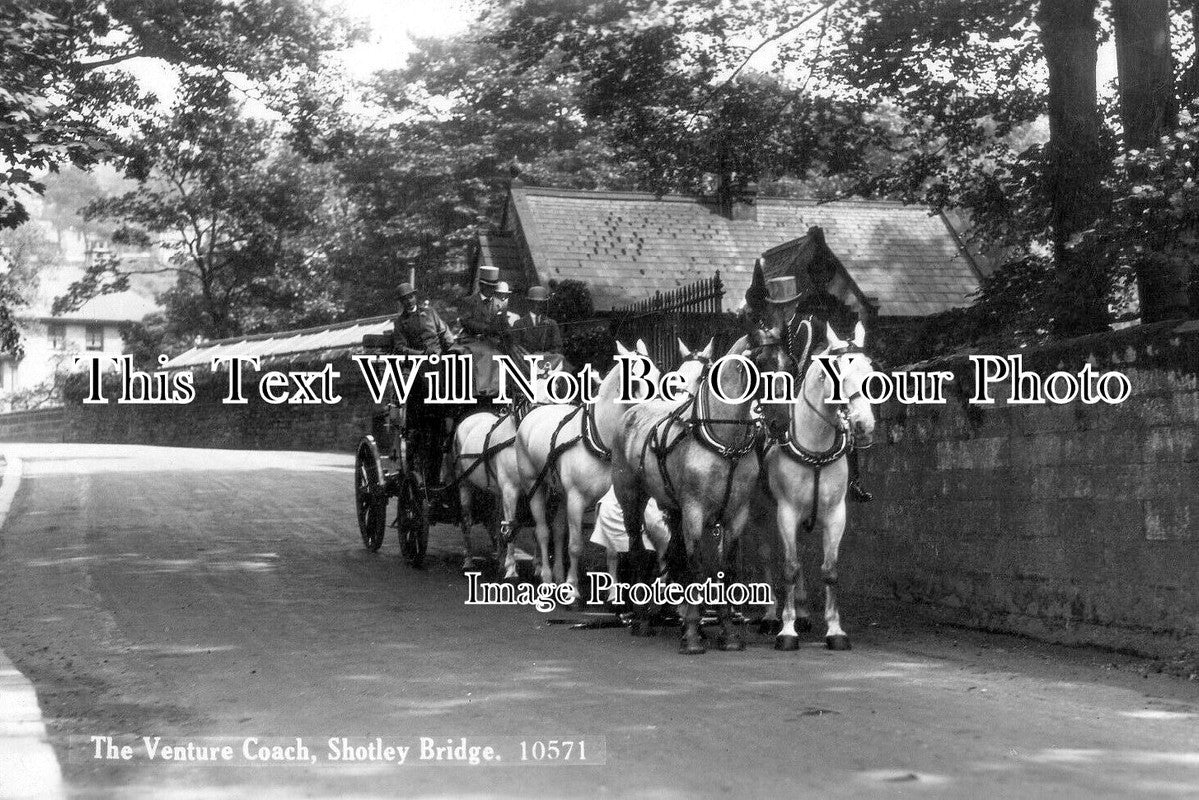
(808, 474)
(699, 461)
(569, 445)
(690, 369)
(484, 460)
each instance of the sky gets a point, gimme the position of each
(393, 24)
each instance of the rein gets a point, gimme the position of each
(699, 425)
(557, 448)
(520, 409)
(817, 460)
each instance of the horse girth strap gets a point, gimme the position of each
(556, 449)
(591, 435)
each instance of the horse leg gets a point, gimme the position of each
(692, 529)
(508, 530)
(574, 518)
(537, 509)
(560, 543)
(834, 527)
(792, 577)
(730, 638)
(632, 508)
(464, 522)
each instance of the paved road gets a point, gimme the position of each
(189, 594)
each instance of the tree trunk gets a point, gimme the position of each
(1148, 110)
(1068, 37)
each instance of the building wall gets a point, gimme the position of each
(41, 359)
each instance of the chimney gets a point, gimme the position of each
(737, 198)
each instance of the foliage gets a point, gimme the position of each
(66, 95)
(570, 300)
(460, 121)
(235, 210)
(667, 81)
(1154, 217)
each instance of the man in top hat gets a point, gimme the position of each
(786, 310)
(535, 331)
(486, 330)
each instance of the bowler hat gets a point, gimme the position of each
(502, 288)
(538, 294)
(489, 274)
(781, 290)
(407, 289)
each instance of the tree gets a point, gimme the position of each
(1068, 35)
(460, 121)
(65, 95)
(1149, 110)
(233, 207)
(938, 102)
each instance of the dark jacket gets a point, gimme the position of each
(543, 336)
(421, 331)
(478, 321)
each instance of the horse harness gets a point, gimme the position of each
(588, 433)
(520, 409)
(698, 425)
(818, 460)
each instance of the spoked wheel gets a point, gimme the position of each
(370, 494)
(413, 521)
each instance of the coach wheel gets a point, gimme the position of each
(413, 522)
(370, 495)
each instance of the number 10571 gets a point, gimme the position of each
(553, 750)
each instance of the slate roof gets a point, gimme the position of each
(627, 245)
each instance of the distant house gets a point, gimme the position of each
(52, 342)
(901, 260)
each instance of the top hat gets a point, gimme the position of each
(407, 289)
(781, 290)
(538, 294)
(502, 288)
(489, 274)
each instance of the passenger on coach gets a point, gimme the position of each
(486, 331)
(536, 332)
(419, 330)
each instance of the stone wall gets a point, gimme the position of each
(255, 425)
(1078, 523)
(41, 425)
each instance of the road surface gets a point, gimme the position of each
(211, 596)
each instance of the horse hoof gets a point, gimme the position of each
(769, 627)
(786, 642)
(803, 624)
(730, 644)
(692, 646)
(838, 642)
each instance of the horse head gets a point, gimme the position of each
(652, 373)
(853, 366)
(768, 351)
(693, 363)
